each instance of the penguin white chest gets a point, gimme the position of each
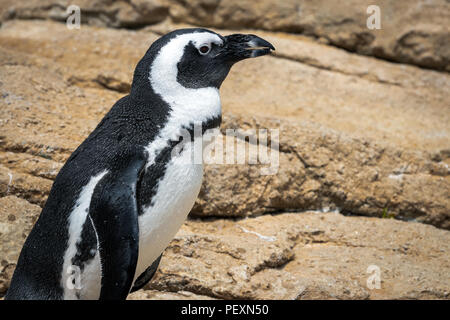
(175, 196)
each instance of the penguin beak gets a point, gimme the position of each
(242, 46)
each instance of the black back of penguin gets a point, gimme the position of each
(121, 135)
(117, 147)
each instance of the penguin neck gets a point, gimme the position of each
(194, 106)
(187, 109)
(187, 105)
(183, 107)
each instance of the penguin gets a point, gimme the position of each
(123, 194)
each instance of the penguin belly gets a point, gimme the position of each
(175, 197)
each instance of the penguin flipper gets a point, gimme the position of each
(146, 276)
(114, 212)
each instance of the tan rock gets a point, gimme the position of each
(319, 169)
(307, 255)
(162, 295)
(17, 217)
(130, 14)
(23, 185)
(413, 32)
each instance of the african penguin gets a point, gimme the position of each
(122, 195)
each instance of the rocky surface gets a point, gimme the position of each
(17, 217)
(166, 295)
(319, 168)
(415, 32)
(357, 135)
(307, 255)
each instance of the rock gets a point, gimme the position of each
(23, 185)
(128, 14)
(308, 255)
(319, 169)
(17, 217)
(162, 295)
(410, 32)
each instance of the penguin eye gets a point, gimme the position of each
(204, 49)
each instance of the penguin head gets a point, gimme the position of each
(195, 58)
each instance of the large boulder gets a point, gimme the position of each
(128, 14)
(311, 255)
(318, 168)
(414, 32)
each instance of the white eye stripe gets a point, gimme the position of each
(201, 39)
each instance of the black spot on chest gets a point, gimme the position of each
(86, 247)
(150, 178)
(148, 184)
